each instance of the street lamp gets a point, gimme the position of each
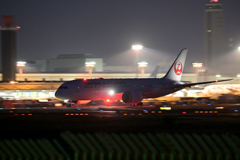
(137, 48)
(20, 65)
(90, 66)
(198, 66)
(142, 65)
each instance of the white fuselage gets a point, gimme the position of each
(102, 89)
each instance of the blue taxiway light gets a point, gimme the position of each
(235, 110)
(78, 108)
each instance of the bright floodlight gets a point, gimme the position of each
(90, 64)
(21, 63)
(197, 65)
(142, 64)
(111, 92)
(239, 48)
(218, 75)
(137, 47)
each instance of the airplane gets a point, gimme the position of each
(218, 90)
(154, 73)
(130, 91)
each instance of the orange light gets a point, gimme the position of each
(108, 100)
(12, 82)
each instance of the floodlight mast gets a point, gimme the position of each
(142, 65)
(137, 48)
(20, 65)
(90, 66)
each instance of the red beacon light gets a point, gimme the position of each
(216, 81)
(84, 79)
(18, 27)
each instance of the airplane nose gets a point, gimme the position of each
(58, 94)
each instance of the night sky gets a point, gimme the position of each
(108, 28)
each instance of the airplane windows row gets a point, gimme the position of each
(123, 86)
(153, 85)
(63, 87)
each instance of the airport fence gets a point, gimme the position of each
(125, 146)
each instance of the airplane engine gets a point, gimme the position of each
(132, 96)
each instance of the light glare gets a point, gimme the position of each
(137, 47)
(90, 64)
(111, 92)
(197, 65)
(21, 63)
(142, 64)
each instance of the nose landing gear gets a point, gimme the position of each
(71, 103)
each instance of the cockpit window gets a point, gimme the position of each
(63, 87)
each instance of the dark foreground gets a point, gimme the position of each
(120, 133)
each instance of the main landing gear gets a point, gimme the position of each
(71, 103)
(137, 104)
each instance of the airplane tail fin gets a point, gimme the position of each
(154, 73)
(175, 72)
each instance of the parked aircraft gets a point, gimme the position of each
(218, 90)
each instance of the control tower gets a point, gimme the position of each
(214, 46)
(8, 49)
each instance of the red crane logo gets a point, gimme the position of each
(178, 68)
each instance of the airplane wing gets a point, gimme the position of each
(183, 85)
